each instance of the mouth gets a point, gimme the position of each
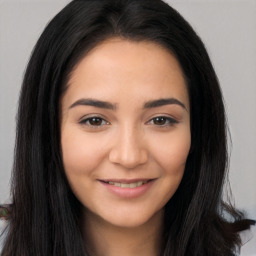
(127, 184)
(131, 188)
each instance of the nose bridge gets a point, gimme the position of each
(129, 150)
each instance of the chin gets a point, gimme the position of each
(134, 219)
(128, 222)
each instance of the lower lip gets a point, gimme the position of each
(128, 192)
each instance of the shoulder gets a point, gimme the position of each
(249, 242)
(3, 225)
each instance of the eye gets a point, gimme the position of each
(94, 121)
(162, 121)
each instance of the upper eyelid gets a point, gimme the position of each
(174, 120)
(167, 116)
(85, 117)
(88, 117)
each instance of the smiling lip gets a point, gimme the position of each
(127, 188)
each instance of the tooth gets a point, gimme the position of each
(127, 185)
(124, 185)
(133, 185)
(139, 183)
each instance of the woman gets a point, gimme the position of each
(121, 139)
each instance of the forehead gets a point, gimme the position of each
(143, 54)
(115, 66)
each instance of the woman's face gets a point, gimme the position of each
(125, 131)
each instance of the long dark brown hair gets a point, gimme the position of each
(45, 215)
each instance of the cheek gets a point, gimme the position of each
(172, 156)
(80, 155)
(172, 152)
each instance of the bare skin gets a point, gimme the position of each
(125, 137)
(107, 240)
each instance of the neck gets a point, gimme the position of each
(104, 239)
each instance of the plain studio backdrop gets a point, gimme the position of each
(228, 29)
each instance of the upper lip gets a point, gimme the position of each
(125, 181)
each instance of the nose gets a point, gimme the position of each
(129, 149)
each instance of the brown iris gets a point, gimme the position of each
(95, 121)
(160, 120)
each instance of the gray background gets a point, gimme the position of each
(228, 29)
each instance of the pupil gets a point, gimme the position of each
(160, 120)
(95, 121)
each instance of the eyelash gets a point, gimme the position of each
(168, 121)
(88, 120)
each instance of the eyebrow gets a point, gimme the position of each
(94, 103)
(110, 106)
(163, 102)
